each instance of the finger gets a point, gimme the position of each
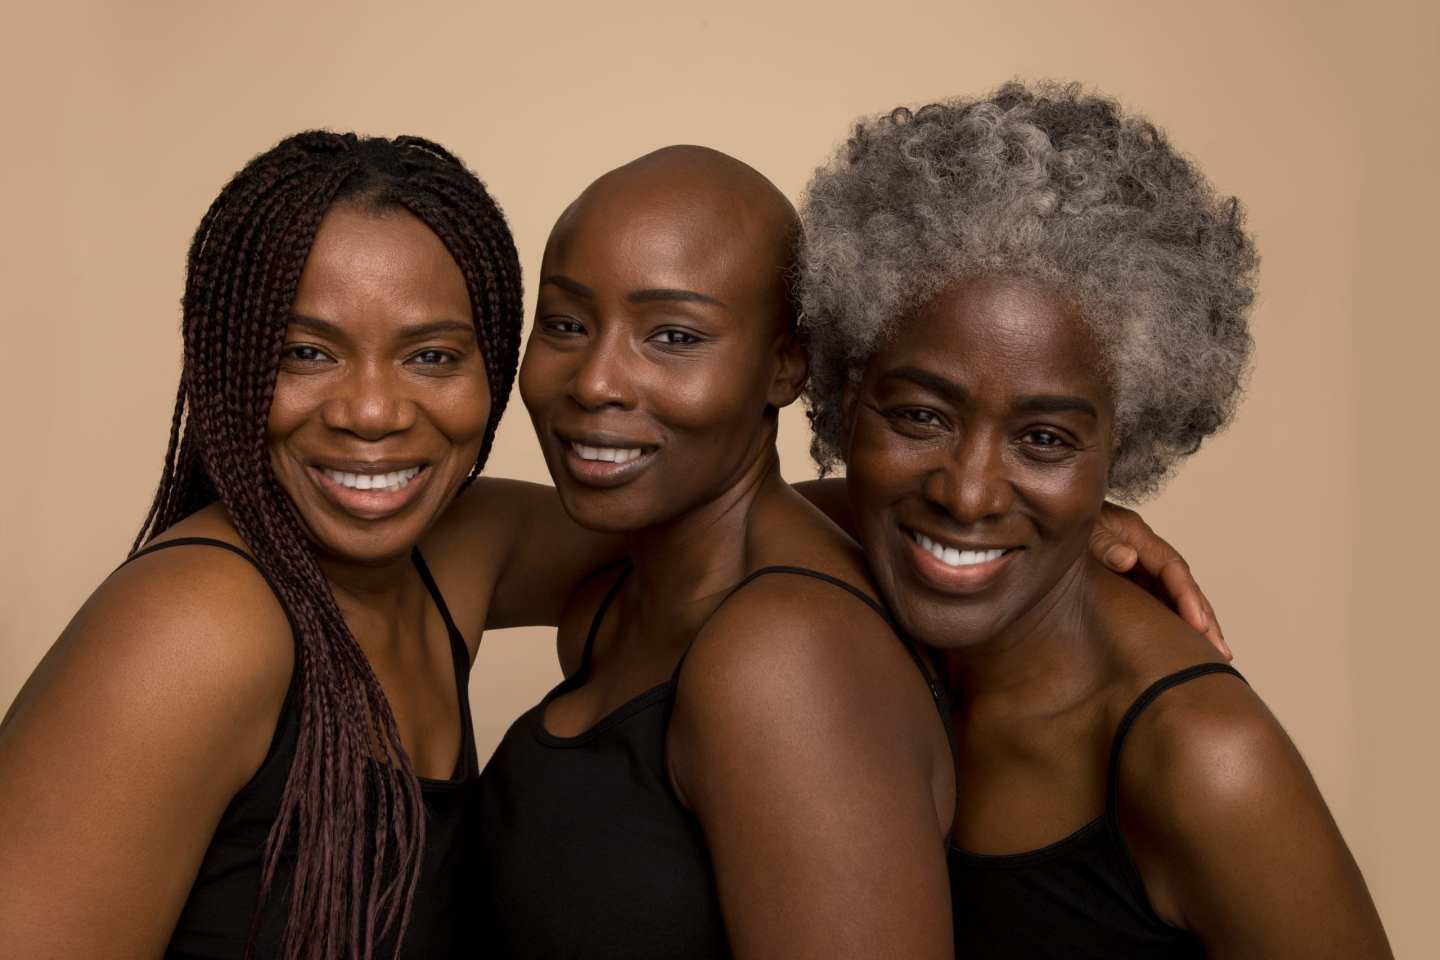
(1194, 608)
(1111, 551)
(1183, 589)
(1219, 632)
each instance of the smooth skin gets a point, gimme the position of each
(158, 702)
(803, 737)
(985, 425)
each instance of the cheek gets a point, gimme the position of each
(290, 407)
(537, 377)
(879, 465)
(462, 411)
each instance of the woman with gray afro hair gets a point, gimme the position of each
(1047, 183)
(1017, 306)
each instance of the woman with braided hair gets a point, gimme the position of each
(254, 738)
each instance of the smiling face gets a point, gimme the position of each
(977, 460)
(381, 401)
(661, 342)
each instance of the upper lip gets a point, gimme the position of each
(600, 438)
(959, 543)
(368, 466)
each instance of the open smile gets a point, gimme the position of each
(605, 461)
(956, 567)
(370, 491)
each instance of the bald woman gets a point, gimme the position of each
(744, 756)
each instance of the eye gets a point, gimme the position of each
(916, 421)
(304, 354)
(435, 357)
(561, 326)
(1046, 444)
(675, 337)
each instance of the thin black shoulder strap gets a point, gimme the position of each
(212, 542)
(1151, 694)
(849, 588)
(925, 669)
(595, 621)
(433, 588)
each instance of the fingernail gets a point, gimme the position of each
(1116, 556)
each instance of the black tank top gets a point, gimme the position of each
(585, 849)
(1076, 899)
(215, 921)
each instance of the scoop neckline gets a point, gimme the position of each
(1037, 855)
(642, 700)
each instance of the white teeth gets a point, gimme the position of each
(952, 557)
(606, 454)
(388, 482)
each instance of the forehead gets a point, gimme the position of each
(1001, 335)
(630, 237)
(387, 258)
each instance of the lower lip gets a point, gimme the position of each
(371, 504)
(972, 578)
(605, 473)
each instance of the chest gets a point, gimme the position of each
(1025, 784)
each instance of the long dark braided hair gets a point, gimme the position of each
(357, 825)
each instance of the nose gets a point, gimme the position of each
(971, 483)
(370, 402)
(603, 378)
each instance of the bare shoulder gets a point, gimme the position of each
(1207, 742)
(121, 753)
(1231, 835)
(191, 633)
(790, 651)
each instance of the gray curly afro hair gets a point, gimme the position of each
(1048, 183)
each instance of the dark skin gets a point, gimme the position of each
(985, 426)
(160, 699)
(661, 352)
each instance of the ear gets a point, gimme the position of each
(791, 369)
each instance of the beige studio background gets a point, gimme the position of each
(1311, 522)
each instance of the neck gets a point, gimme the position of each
(1048, 656)
(383, 587)
(693, 559)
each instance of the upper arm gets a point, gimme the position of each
(507, 555)
(805, 742)
(1233, 838)
(154, 707)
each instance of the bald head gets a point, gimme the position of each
(695, 215)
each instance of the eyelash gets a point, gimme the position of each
(293, 350)
(555, 324)
(689, 339)
(293, 353)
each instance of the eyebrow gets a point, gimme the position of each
(652, 295)
(1032, 403)
(418, 331)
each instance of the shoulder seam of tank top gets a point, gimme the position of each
(1130, 872)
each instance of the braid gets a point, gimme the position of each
(357, 825)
